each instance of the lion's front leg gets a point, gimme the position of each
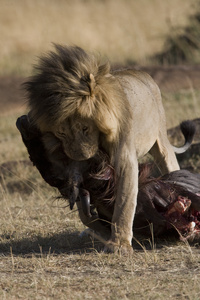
(125, 206)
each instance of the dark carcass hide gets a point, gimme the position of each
(171, 202)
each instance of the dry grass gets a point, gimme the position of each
(181, 105)
(97, 276)
(122, 30)
(43, 257)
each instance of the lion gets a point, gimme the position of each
(78, 99)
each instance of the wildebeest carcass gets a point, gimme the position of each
(169, 203)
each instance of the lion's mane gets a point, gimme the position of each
(70, 81)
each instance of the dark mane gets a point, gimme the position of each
(70, 81)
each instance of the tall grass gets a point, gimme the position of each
(122, 30)
(182, 105)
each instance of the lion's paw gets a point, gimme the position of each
(124, 248)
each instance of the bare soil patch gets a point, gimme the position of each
(174, 78)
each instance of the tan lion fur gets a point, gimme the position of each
(88, 107)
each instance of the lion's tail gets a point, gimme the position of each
(188, 129)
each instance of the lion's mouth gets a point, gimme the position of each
(81, 155)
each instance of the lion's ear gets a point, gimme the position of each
(92, 85)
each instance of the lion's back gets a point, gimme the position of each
(148, 117)
(140, 79)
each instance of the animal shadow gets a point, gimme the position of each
(64, 242)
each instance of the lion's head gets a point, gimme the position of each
(74, 96)
(79, 137)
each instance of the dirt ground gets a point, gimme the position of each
(168, 78)
(174, 78)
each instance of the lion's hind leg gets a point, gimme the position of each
(164, 156)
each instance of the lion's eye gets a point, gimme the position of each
(85, 129)
(61, 134)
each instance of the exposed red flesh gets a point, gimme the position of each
(185, 219)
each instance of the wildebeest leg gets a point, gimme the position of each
(93, 222)
(147, 214)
